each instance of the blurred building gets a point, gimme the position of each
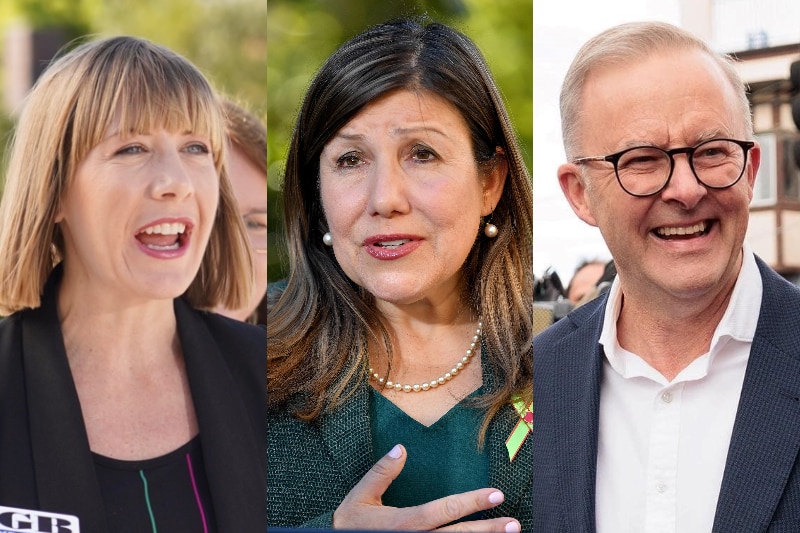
(765, 36)
(26, 53)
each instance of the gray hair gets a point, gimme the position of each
(629, 42)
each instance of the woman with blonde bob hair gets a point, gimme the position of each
(123, 406)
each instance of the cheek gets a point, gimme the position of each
(341, 207)
(208, 193)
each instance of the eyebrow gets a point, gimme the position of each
(395, 132)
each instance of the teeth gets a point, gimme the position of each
(166, 229)
(697, 228)
(392, 244)
(163, 248)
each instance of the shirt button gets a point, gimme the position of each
(661, 488)
(666, 397)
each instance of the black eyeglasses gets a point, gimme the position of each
(646, 170)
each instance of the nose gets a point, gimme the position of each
(683, 187)
(171, 178)
(388, 189)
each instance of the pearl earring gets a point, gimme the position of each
(327, 239)
(490, 230)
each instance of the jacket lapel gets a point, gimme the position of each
(234, 460)
(766, 433)
(63, 465)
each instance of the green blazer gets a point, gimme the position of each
(312, 466)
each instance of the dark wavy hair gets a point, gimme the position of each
(319, 324)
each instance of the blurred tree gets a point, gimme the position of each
(302, 33)
(226, 39)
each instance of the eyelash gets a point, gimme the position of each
(342, 162)
(419, 149)
(131, 149)
(138, 149)
(203, 148)
(346, 159)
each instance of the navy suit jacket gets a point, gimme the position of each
(45, 460)
(761, 485)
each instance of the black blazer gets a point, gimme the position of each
(45, 461)
(761, 484)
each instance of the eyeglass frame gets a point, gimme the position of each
(614, 158)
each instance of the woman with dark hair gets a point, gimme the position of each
(402, 336)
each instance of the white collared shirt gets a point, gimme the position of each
(662, 445)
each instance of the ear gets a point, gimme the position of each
(752, 168)
(574, 188)
(494, 182)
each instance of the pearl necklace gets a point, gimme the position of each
(441, 380)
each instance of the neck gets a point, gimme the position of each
(671, 334)
(132, 335)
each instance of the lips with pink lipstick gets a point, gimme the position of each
(393, 246)
(165, 238)
(682, 232)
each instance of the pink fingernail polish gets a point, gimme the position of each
(512, 527)
(395, 452)
(496, 497)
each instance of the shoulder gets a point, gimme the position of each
(9, 326)
(780, 307)
(241, 346)
(776, 287)
(10, 345)
(12, 331)
(585, 321)
(240, 336)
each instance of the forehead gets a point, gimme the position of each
(403, 111)
(670, 98)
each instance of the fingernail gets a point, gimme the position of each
(395, 452)
(512, 527)
(496, 497)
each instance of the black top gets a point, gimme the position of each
(167, 493)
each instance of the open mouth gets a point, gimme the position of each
(684, 232)
(391, 245)
(164, 237)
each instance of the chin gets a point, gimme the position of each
(167, 287)
(399, 296)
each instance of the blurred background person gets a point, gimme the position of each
(590, 279)
(122, 404)
(402, 334)
(247, 169)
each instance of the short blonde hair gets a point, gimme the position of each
(67, 113)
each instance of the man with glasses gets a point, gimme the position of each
(672, 403)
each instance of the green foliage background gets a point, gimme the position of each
(302, 33)
(226, 39)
